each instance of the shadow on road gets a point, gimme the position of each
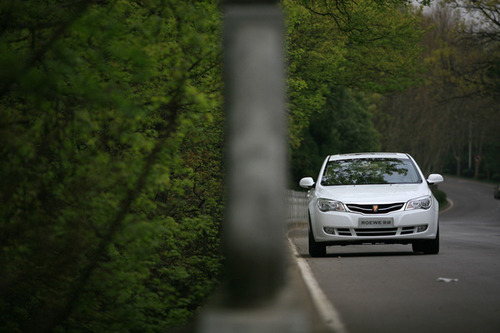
(366, 254)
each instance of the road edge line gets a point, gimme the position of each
(448, 207)
(327, 312)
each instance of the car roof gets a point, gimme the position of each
(368, 155)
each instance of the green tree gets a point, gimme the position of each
(364, 45)
(344, 126)
(451, 112)
(479, 31)
(111, 189)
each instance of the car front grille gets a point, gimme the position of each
(376, 209)
(375, 232)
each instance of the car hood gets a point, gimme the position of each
(369, 194)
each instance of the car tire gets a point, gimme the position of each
(431, 246)
(316, 249)
(417, 246)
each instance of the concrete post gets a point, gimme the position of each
(253, 239)
(256, 141)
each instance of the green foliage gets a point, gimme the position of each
(440, 196)
(365, 45)
(111, 192)
(345, 126)
(456, 109)
(477, 36)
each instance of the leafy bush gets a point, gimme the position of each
(440, 197)
(111, 192)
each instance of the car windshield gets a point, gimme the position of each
(366, 171)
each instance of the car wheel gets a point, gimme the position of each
(431, 246)
(417, 247)
(315, 249)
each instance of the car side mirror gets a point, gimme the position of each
(307, 182)
(434, 179)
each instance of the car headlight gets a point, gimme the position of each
(419, 203)
(327, 205)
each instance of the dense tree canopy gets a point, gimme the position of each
(451, 123)
(111, 167)
(335, 49)
(344, 126)
(435, 72)
(478, 33)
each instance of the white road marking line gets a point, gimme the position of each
(326, 310)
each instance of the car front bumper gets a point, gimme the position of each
(342, 228)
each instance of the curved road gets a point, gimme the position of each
(388, 288)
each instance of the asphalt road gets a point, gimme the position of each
(388, 288)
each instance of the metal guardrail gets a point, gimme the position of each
(296, 206)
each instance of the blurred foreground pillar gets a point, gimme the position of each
(255, 110)
(253, 233)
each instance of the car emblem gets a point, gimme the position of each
(375, 208)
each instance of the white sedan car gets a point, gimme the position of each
(372, 198)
